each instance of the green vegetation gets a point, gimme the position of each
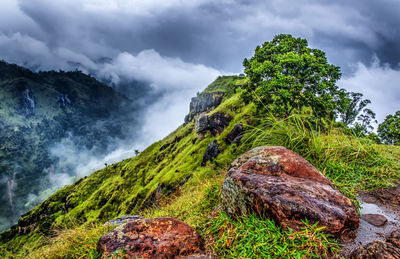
(166, 179)
(153, 184)
(286, 75)
(389, 129)
(251, 237)
(34, 118)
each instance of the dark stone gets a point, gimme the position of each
(165, 146)
(203, 103)
(121, 220)
(211, 152)
(234, 134)
(385, 249)
(237, 140)
(376, 220)
(202, 124)
(217, 123)
(277, 183)
(152, 238)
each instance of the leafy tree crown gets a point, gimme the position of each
(389, 129)
(285, 74)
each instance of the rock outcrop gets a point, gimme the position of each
(235, 135)
(203, 103)
(386, 249)
(277, 183)
(216, 123)
(153, 238)
(211, 152)
(202, 124)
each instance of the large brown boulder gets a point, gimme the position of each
(152, 238)
(276, 182)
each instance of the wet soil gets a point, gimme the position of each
(375, 207)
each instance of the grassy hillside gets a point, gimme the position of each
(167, 179)
(38, 110)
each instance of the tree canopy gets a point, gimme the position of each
(285, 74)
(389, 129)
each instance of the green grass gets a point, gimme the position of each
(352, 164)
(252, 237)
(129, 187)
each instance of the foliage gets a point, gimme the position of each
(78, 242)
(351, 163)
(252, 237)
(166, 179)
(285, 74)
(95, 118)
(352, 106)
(389, 129)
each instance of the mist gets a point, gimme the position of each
(161, 53)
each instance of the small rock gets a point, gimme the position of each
(237, 140)
(211, 152)
(376, 220)
(202, 124)
(158, 238)
(369, 199)
(217, 123)
(121, 220)
(234, 134)
(276, 182)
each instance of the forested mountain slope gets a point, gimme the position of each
(38, 110)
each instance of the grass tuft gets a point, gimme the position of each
(252, 237)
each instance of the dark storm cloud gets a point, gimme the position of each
(217, 34)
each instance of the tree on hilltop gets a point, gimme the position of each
(389, 129)
(286, 75)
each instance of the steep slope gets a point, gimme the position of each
(38, 110)
(168, 179)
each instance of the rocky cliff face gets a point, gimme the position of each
(203, 103)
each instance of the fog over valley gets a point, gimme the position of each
(149, 59)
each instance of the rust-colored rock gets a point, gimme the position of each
(278, 183)
(153, 238)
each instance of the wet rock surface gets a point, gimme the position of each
(235, 135)
(388, 248)
(378, 233)
(203, 103)
(153, 238)
(277, 183)
(211, 152)
(121, 220)
(376, 220)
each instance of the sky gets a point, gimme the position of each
(178, 47)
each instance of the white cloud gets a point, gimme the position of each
(379, 83)
(177, 80)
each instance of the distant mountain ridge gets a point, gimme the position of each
(38, 110)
